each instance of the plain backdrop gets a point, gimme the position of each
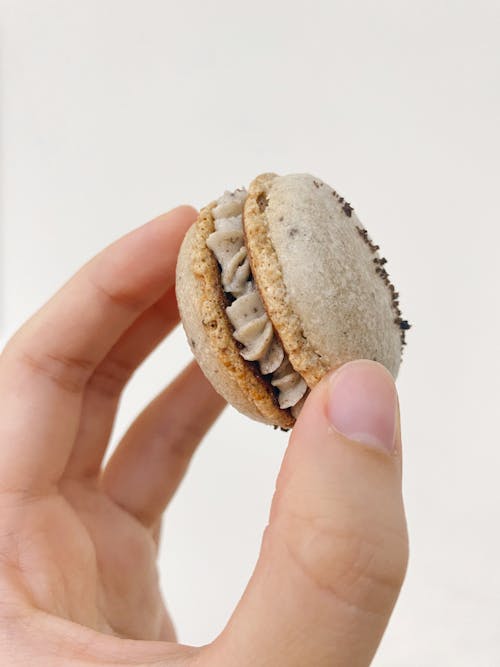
(116, 110)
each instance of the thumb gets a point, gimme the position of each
(334, 554)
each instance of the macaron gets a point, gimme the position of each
(278, 284)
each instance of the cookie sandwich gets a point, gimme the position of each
(279, 283)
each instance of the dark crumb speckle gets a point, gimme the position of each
(364, 235)
(193, 343)
(317, 185)
(281, 218)
(382, 272)
(348, 209)
(262, 201)
(285, 430)
(293, 232)
(403, 325)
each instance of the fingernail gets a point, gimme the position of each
(362, 404)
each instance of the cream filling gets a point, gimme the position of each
(252, 326)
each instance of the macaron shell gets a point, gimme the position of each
(202, 309)
(317, 276)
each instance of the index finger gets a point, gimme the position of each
(45, 367)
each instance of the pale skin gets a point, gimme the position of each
(78, 541)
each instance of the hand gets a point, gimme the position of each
(78, 543)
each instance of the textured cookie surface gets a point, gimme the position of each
(202, 308)
(319, 276)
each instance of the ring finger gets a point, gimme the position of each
(146, 468)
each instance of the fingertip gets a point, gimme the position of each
(357, 401)
(361, 404)
(178, 218)
(183, 211)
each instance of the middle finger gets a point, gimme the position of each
(104, 389)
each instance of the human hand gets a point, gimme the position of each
(78, 579)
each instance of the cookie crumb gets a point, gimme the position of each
(381, 271)
(348, 209)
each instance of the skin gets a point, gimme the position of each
(78, 542)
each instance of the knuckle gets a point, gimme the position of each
(118, 295)
(67, 372)
(183, 440)
(110, 377)
(362, 565)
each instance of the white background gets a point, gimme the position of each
(114, 111)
